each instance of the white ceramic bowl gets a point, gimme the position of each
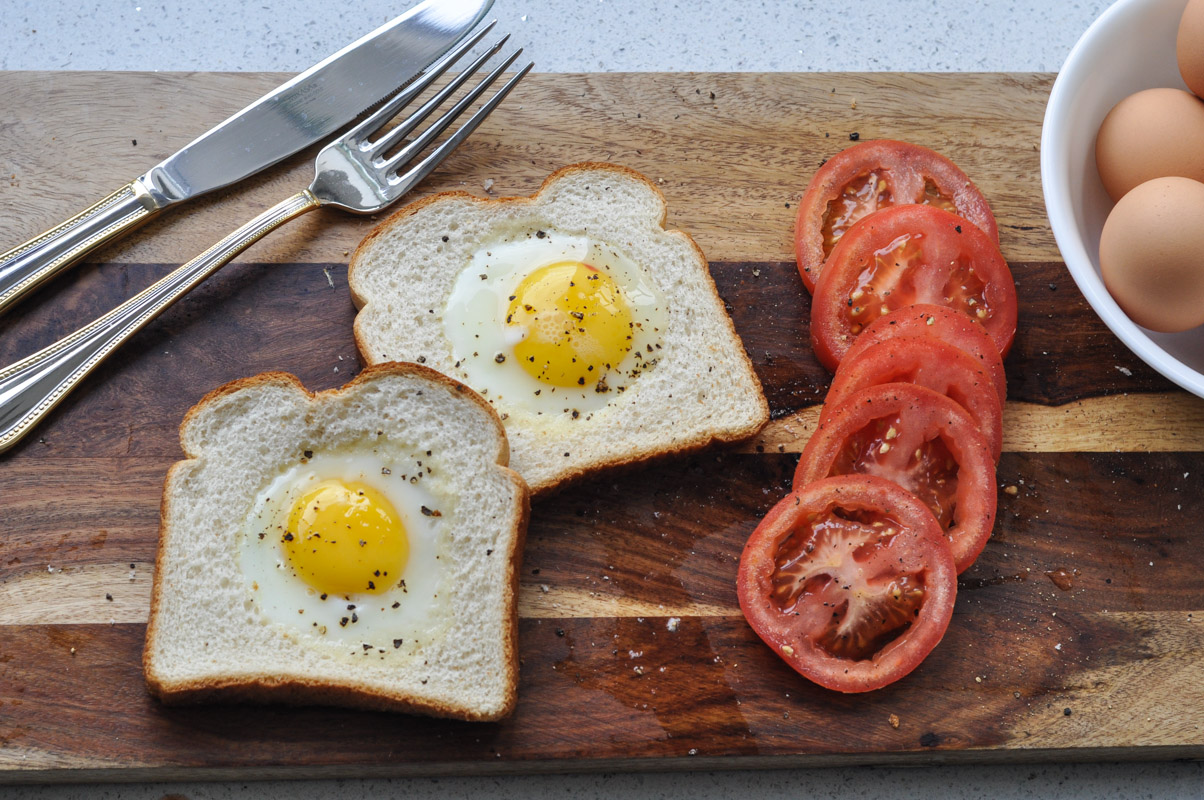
(1129, 48)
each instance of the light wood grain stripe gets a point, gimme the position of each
(81, 597)
(1128, 423)
(52, 595)
(1121, 423)
(731, 152)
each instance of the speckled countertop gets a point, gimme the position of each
(563, 35)
(607, 35)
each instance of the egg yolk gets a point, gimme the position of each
(346, 537)
(576, 324)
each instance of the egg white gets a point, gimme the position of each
(483, 345)
(358, 624)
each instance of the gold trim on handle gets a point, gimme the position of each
(130, 190)
(28, 265)
(32, 387)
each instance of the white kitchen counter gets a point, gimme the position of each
(606, 35)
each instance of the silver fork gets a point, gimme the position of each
(351, 173)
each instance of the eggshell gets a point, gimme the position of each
(1151, 254)
(1189, 46)
(1156, 133)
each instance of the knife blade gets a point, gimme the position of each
(300, 112)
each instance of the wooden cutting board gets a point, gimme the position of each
(1079, 634)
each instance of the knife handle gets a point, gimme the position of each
(29, 265)
(32, 387)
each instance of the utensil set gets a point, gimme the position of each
(362, 171)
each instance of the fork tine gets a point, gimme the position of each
(411, 177)
(403, 98)
(406, 126)
(422, 140)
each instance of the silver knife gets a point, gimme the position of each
(304, 110)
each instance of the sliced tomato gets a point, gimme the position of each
(927, 362)
(874, 175)
(936, 322)
(850, 581)
(920, 440)
(905, 255)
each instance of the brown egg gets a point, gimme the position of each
(1152, 134)
(1189, 46)
(1151, 254)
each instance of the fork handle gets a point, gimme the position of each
(28, 265)
(32, 387)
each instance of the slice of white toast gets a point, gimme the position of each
(229, 620)
(701, 389)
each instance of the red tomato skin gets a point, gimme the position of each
(757, 567)
(976, 498)
(906, 168)
(941, 234)
(926, 362)
(940, 322)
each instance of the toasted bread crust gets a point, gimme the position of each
(317, 692)
(459, 194)
(694, 444)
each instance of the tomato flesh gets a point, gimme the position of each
(923, 442)
(927, 362)
(805, 581)
(894, 276)
(850, 581)
(905, 255)
(863, 195)
(895, 449)
(871, 176)
(928, 321)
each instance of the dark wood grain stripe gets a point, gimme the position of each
(252, 318)
(696, 687)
